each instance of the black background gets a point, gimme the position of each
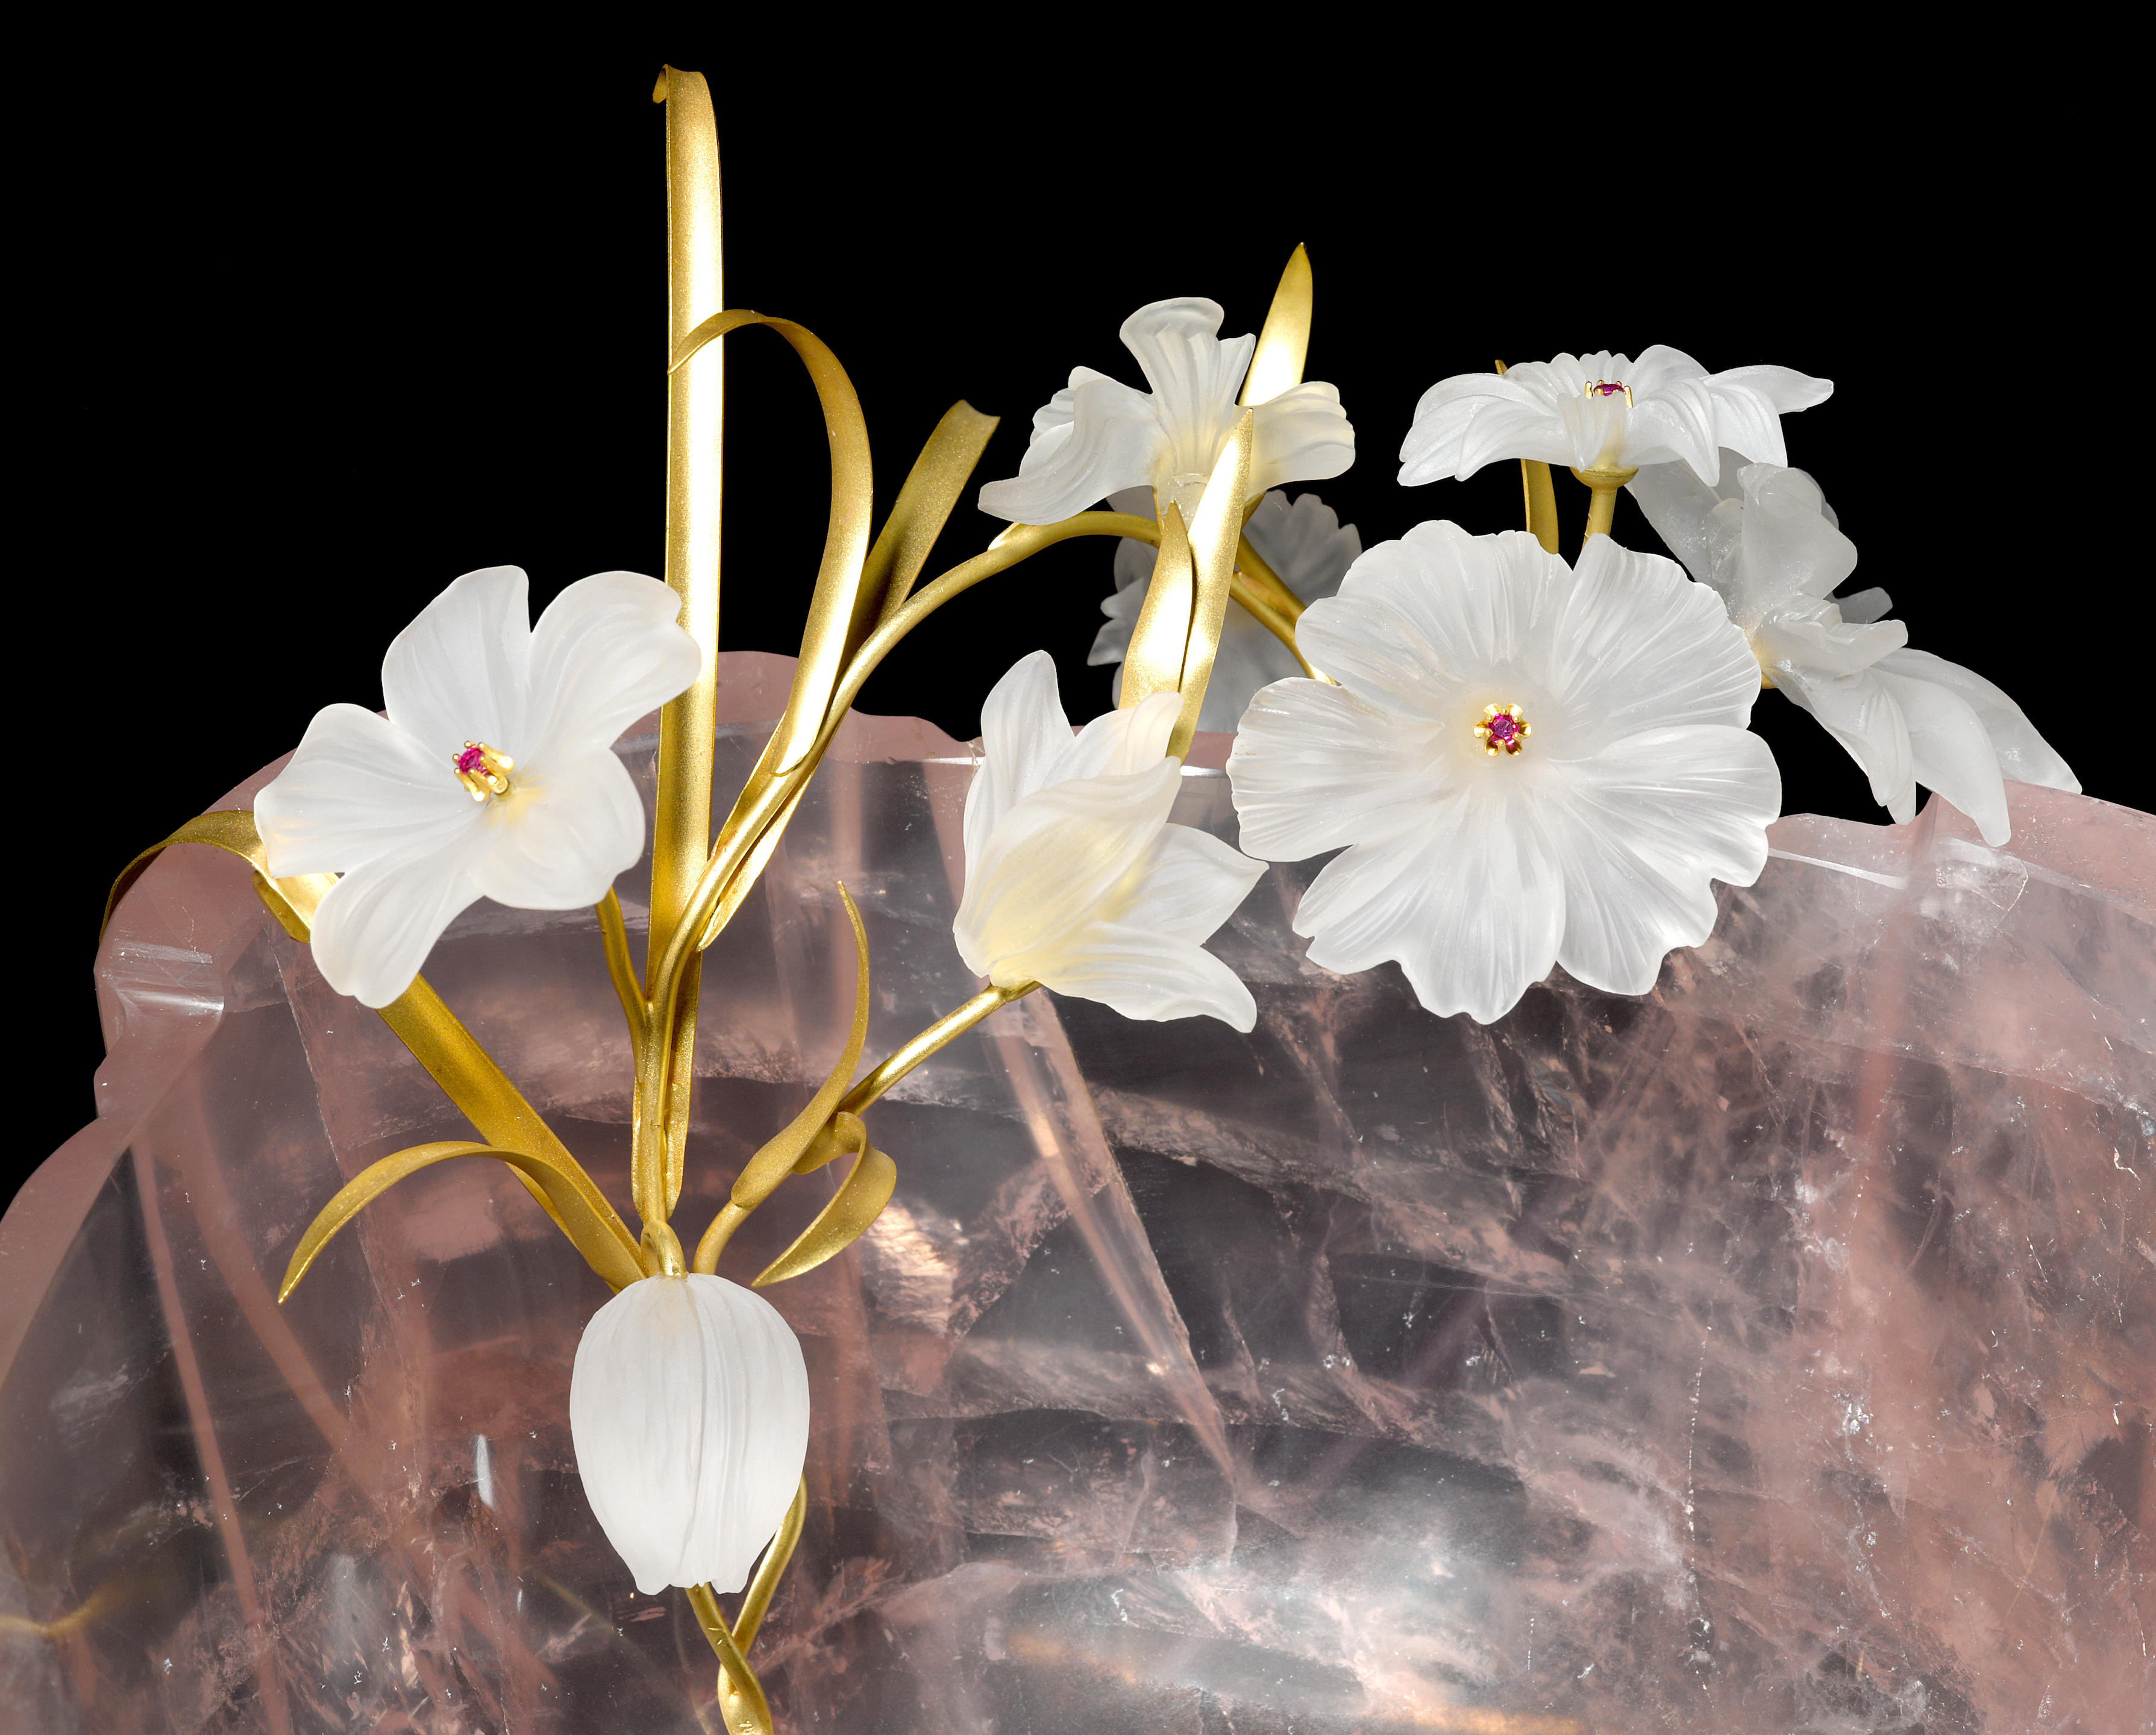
(316, 330)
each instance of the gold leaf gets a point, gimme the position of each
(1214, 535)
(1284, 343)
(1153, 663)
(933, 487)
(860, 1197)
(578, 1205)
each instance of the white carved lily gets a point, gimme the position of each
(1524, 767)
(689, 1409)
(1098, 436)
(1309, 550)
(1764, 540)
(491, 775)
(1605, 412)
(1075, 878)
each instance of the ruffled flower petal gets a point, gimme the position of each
(1950, 749)
(562, 835)
(689, 1409)
(1189, 884)
(1109, 441)
(357, 789)
(375, 926)
(1303, 435)
(461, 672)
(2023, 755)
(1652, 819)
(1470, 902)
(1144, 975)
(608, 650)
(1861, 714)
(1378, 770)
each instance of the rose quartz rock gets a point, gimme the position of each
(1775, 1353)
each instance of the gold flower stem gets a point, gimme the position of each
(1540, 489)
(946, 1029)
(1267, 584)
(1603, 487)
(1262, 611)
(741, 1701)
(622, 968)
(770, 1568)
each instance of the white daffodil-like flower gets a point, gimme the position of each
(1073, 877)
(492, 775)
(1098, 436)
(1764, 540)
(689, 1408)
(1605, 412)
(1525, 765)
(1309, 551)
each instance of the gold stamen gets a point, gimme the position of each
(486, 774)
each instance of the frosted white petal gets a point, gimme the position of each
(1302, 435)
(2023, 755)
(1110, 442)
(1471, 904)
(562, 835)
(607, 650)
(358, 789)
(1051, 864)
(461, 670)
(1864, 717)
(1188, 884)
(1648, 824)
(1951, 750)
(1315, 767)
(1146, 975)
(1024, 731)
(1676, 421)
(689, 1409)
(375, 926)
(1193, 375)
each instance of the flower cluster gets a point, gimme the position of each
(1515, 764)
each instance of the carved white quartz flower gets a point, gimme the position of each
(1075, 878)
(1524, 766)
(1097, 436)
(1763, 539)
(1606, 412)
(491, 776)
(1309, 550)
(689, 1409)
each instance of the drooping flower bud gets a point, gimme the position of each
(689, 1407)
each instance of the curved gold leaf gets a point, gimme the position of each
(773, 1163)
(1284, 343)
(578, 1206)
(1153, 663)
(924, 505)
(861, 1196)
(1214, 534)
(833, 609)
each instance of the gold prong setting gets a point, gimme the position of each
(483, 770)
(1502, 730)
(1609, 388)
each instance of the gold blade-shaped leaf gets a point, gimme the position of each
(1154, 662)
(1284, 343)
(924, 505)
(861, 1196)
(1214, 534)
(582, 1210)
(832, 609)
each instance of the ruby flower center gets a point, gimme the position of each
(1609, 388)
(1502, 730)
(483, 770)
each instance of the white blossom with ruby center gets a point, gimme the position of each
(1097, 435)
(1604, 411)
(1626, 784)
(1075, 878)
(689, 1409)
(1763, 540)
(492, 775)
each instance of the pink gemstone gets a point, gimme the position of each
(1606, 389)
(472, 759)
(1503, 730)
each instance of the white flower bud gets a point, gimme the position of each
(689, 1406)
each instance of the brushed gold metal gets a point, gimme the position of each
(1603, 487)
(1284, 340)
(1215, 534)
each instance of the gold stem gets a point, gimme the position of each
(1541, 491)
(770, 1569)
(1603, 487)
(1266, 582)
(622, 968)
(1263, 612)
(742, 1703)
(681, 809)
(947, 1028)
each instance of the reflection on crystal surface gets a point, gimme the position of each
(1772, 1353)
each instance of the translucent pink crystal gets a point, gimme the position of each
(1605, 388)
(1774, 1352)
